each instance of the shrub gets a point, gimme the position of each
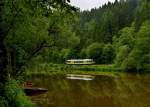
(95, 51)
(3, 102)
(15, 96)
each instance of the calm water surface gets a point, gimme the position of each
(102, 91)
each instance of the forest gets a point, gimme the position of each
(116, 33)
(34, 32)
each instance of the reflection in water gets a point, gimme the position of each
(80, 77)
(103, 91)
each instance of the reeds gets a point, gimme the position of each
(55, 69)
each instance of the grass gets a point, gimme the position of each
(56, 69)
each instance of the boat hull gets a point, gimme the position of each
(31, 91)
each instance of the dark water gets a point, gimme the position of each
(103, 91)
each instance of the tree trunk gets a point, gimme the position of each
(3, 52)
(3, 62)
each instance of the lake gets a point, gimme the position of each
(100, 91)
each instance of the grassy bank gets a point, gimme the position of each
(56, 69)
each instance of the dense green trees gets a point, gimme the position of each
(100, 52)
(139, 59)
(95, 51)
(108, 34)
(77, 37)
(123, 43)
(101, 26)
(142, 13)
(29, 26)
(108, 54)
(50, 31)
(26, 28)
(132, 46)
(109, 19)
(120, 27)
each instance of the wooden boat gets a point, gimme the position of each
(31, 91)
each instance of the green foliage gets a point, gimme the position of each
(29, 26)
(65, 54)
(101, 53)
(83, 53)
(133, 44)
(44, 31)
(142, 13)
(26, 27)
(3, 102)
(124, 37)
(100, 25)
(138, 58)
(95, 51)
(108, 54)
(132, 62)
(14, 96)
(124, 43)
(99, 34)
(122, 55)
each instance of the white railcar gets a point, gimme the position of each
(80, 61)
